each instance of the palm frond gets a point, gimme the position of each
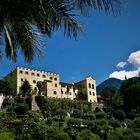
(109, 6)
(60, 16)
(18, 18)
(40, 18)
(25, 39)
(10, 47)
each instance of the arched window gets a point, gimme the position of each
(20, 71)
(26, 72)
(89, 85)
(33, 74)
(90, 93)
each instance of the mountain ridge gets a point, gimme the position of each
(109, 82)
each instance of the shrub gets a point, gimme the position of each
(74, 122)
(122, 134)
(21, 109)
(136, 136)
(89, 116)
(49, 121)
(114, 123)
(73, 132)
(76, 113)
(101, 122)
(136, 125)
(101, 115)
(119, 114)
(55, 134)
(88, 124)
(6, 136)
(86, 134)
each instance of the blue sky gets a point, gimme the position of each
(106, 41)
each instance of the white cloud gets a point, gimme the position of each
(134, 59)
(121, 64)
(122, 74)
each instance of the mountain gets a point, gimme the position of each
(109, 82)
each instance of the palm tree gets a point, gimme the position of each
(23, 21)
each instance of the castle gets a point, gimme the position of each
(51, 85)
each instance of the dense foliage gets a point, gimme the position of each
(64, 119)
(130, 90)
(6, 87)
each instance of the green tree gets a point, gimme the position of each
(6, 136)
(25, 88)
(55, 134)
(133, 96)
(72, 132)
(39, 86)
(87, 135)
(136, 125)
(23, 21)
(119, 114)
(89, 116)
(61, 113)
(12, 83)
(21, 108)
(112, 98)
(6, 88)
(122, 134)
(76, 113)
(108, 93)
(130, 90)
(74, 123)
(81, 96)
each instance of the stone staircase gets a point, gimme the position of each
(34, 104)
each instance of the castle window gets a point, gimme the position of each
(55, 79)
(55, 92)
(80, 86)
(93, 94)
(26, 72)
(62, 92)
(50, 78)
(83, 86)
(90, 93)
(43, 76)
(21, 79)
(92, 86)
(70, 93)
(32, 73)
(38, 74)
(20, 71)
(55, 85)
(89, 85)
(34, 81)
